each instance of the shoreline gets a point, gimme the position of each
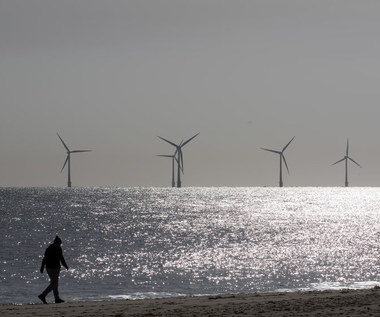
(345, 302)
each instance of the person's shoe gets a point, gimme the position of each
(58, 301)
(42, 298)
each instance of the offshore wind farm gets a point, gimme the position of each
(213, 126)
(247, 75)
(233, 203)
(177, 157)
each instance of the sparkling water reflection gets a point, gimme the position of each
(160, 241)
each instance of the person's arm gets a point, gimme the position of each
(63, 261)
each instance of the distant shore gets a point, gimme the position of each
(315, 303)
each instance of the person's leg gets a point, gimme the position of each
(53, 284)
(54, 277)
(42, 298)
(49, 288)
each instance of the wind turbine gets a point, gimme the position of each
(68, 160)
(282, 157)
(173, 159)
(180, 156)
(346, 158)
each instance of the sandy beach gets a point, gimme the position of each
(324, 303)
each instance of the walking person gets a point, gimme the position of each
(52, 260)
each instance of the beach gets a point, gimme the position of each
(365, 302)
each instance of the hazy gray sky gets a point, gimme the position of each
(113, 75)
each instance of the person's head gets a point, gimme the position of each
(57, 240)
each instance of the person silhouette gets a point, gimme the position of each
(52, 260)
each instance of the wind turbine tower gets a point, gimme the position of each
(67, 161)
(282, 157)
(346, 158)
(180, 156)
(173, 159)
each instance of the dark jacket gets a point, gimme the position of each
(53, 257)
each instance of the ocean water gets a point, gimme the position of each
(164, 242)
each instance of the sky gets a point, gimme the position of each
(111, 76)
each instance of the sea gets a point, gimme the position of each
(131, 243)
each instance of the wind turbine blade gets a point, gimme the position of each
(347, 148)
(64, 164)
(80, 151)
(180, 157)
(166, 156)
(353, 161)
(63, 143)
(285, 162)
(184, 143)
(168, 141)
(339, 161)
(287, 144)
(277, 152)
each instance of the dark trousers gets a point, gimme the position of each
(53, 286)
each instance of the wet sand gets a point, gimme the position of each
(324, 303)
